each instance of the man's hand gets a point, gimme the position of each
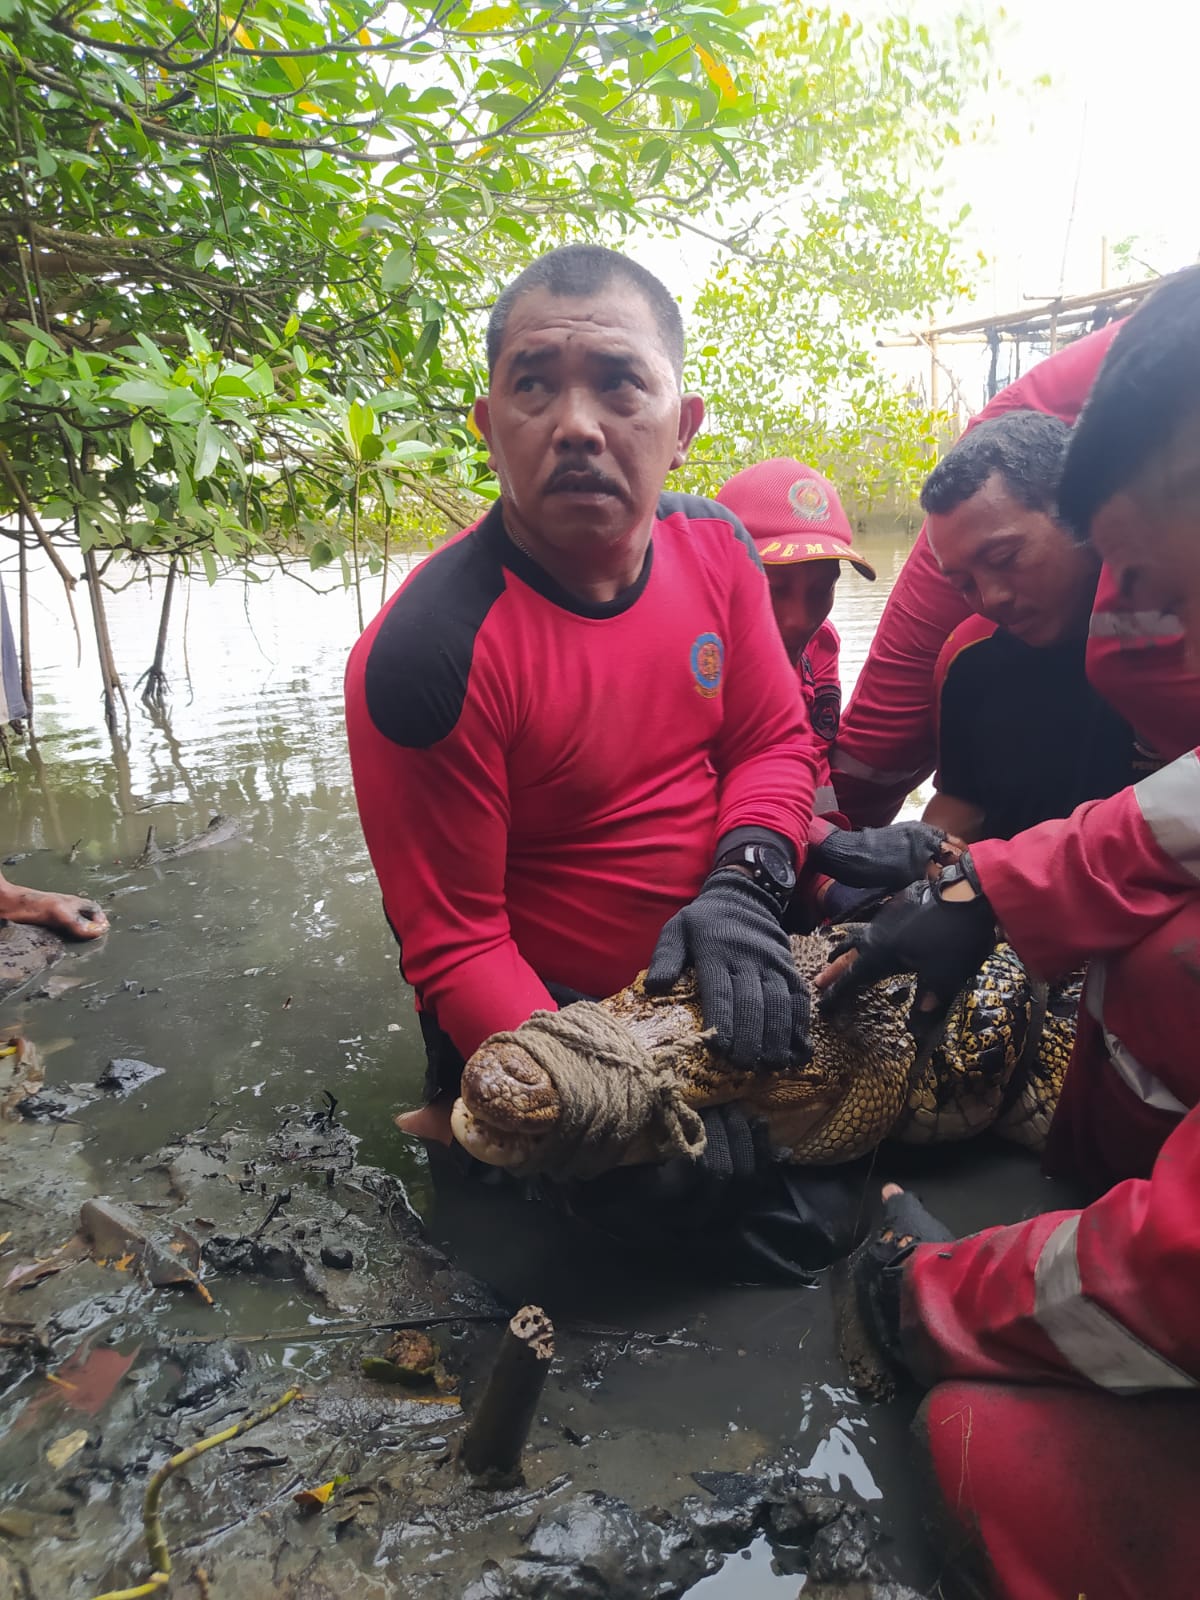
(942, 931)
(884, 858)
(877, 1268)
(750, 991)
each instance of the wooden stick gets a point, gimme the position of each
(493, 1443)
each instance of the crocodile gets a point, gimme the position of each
(867, 1079)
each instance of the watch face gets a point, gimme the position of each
(777, 866)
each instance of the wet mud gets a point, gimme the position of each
(221, 1073)
(110, 1362)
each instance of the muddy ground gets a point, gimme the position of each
(682, 1423)
(693, 1437)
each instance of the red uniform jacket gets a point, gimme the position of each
(1108, 1296)
(887, 743)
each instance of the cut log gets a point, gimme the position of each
(494, 1441)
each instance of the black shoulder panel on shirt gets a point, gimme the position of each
(698, 509)
(420, 662)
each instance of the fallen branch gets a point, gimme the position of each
(156, 1544)
(495, 1439)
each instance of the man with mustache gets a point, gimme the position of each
(577, 745)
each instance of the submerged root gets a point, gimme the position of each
(156, 1542)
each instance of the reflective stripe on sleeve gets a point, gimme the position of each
(1149, 625)
(1087, 1336)
(1170, 803)
(1149, 1089)
(853, 768)
(824, 800)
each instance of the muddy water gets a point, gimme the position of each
(260, 974)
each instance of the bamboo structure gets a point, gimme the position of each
(1043, 321)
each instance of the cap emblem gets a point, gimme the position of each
(808, 500)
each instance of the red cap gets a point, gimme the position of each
(793, 514)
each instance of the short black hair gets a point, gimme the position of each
(1147, 387)
(1027, 449)
(577, 270)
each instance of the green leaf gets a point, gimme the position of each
(210, 565)
(204, 253)
(407, 449)
(360, 421)
(141, 442)
(208, 448)
(396, 272)
(141, 392)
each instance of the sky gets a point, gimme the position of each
(1113, 140)
(1107, 150)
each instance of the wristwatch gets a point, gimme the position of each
(766, 865)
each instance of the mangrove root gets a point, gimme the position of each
(156, 1543)
(494, 1441)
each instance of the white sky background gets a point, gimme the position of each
(1115, 138)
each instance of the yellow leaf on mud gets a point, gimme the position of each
(432, 1399)
(5, 1237)
(312, 1500)
(719, 75)
(122, 1262)
(59, 1454)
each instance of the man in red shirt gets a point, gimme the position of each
(576, 742)
(886, 745)
(1066, 1350)
(802, 536)
(1022, 735)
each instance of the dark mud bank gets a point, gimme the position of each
(111, 1361)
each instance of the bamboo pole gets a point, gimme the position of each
(495, 1439)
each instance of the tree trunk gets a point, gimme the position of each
(23, 605)
(155, 678)
(108, 668)
(495, 1439)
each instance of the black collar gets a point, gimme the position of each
(494, 535)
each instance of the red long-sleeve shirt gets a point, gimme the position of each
(886, 744)
(542, 782)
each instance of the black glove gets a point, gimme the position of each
(890, 858)
(737, 1147)
(841, 903)
(877, 1268)
(945, 942)
(750, 991)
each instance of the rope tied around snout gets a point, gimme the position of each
(612, 1090)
